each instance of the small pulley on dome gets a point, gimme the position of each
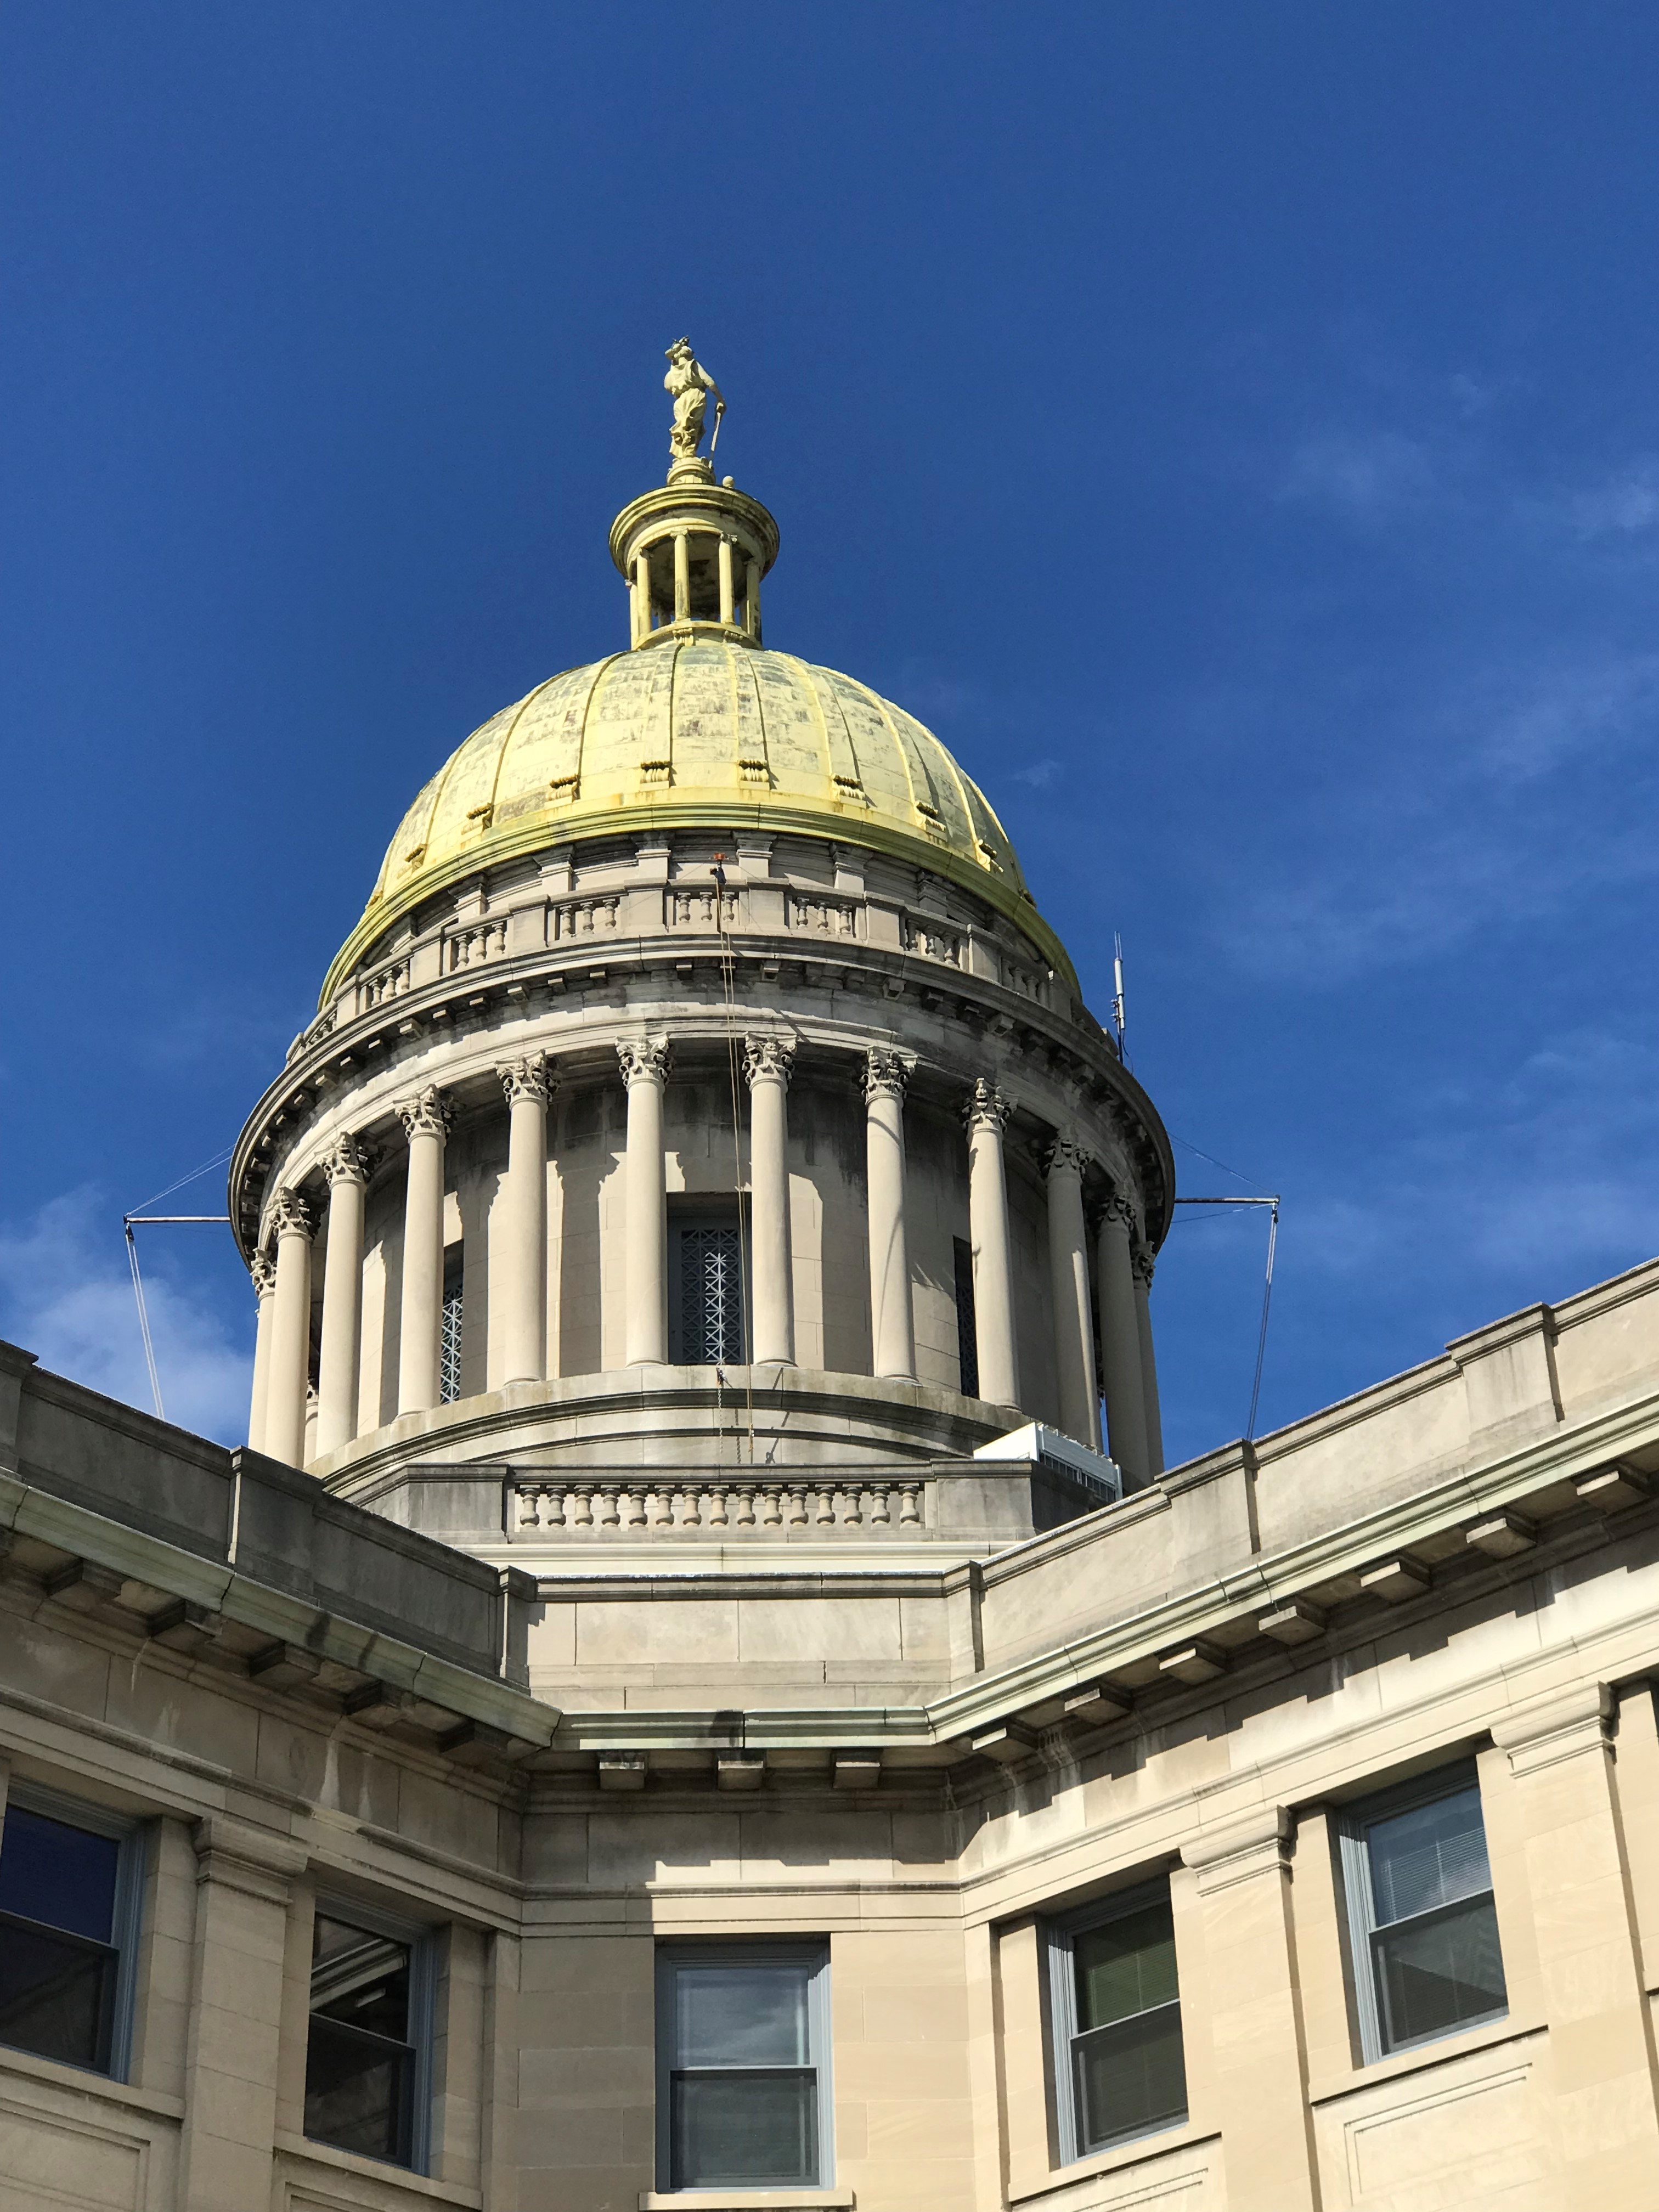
(694, 552)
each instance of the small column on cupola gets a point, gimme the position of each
(693, 553)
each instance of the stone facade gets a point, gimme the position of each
(555, 1777)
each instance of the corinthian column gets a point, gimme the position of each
(1148, 1362)
(767, 1062)
(645, 1071)
(892, 1336)
(263, 1269)
(987, 1233)
(290, 1330)
(346, 1170)
(1068, 1267)
(1120, 1343)
(425, 1119)
(520, 1246)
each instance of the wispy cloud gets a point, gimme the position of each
(1626, 504)
(1040, 774)
(66, 1295)
(1366, 475)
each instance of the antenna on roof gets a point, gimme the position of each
(1117, 994)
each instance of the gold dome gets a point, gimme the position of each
(705, 731)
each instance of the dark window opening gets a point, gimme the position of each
(59, 1955)
(967, 1340)
(449, 1331)
(361, 2053)
(707, 1287)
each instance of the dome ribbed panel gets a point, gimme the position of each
(462, 815)
(803, 758)
(628, 724)
(705, 727)
(881, 765)
(544, 753)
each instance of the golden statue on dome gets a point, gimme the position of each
(689, 384)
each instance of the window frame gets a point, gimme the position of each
(131, 1837)
(422, 1939)
(1354, 1826)
(1060, 1933)
(809, 1951)
(700, 1211)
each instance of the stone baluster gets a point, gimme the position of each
(289, 1372)
(891, 1331)
(425, 1119)
(767, 1062)
(645, 1071)
(1068, 1268)
(347, 1167)
(1143, 1266)
(1119, 1343)
(987, 1230)
(520, 1242)
(263, 1269)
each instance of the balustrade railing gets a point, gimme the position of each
(742, 1503)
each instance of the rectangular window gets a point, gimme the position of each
(743, 2089)
(706, 1289)
(967, 1325)
(1117, 2022)
(1422, 1922)
(367, 2055)
(69, 1879)
(449, 1330)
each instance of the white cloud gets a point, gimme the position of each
(66, 1295)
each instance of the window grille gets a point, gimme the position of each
(743, 2052)
(1117, 2018)
(1421, 1917)
(711, 1331)
(967, 1326)
(449, 1332)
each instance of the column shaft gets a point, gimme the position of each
(682, 576)
(728, 585)
(987, 1230)
(520, 1243)
(641, 597)
(751, 621)
(1143, 1261)
(426, 1122)
(1119, 1346)
(892, 1334)
(645, 1071)
(767, 1062)
(263, 1272)
(346, 1170)
(290, 1332)
(1068, 1267)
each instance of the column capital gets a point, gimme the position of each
(1260, 1843)
(289, 1214)
(346, 1161)
(885, 1074)
(427, 1114)
(263, 1269)
(1066, 1157)
(1116, 1212)
(531, 1076)
(985, 1106)
(768, 1056)
(1546, 1730)
(644, 1060)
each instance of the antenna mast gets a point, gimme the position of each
(1117, 994)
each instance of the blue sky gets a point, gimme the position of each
(1236, 430)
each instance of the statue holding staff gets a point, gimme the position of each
(689, 384)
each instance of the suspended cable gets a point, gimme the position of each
(217, 1161)
(143, 1324)
(1270, 1198)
